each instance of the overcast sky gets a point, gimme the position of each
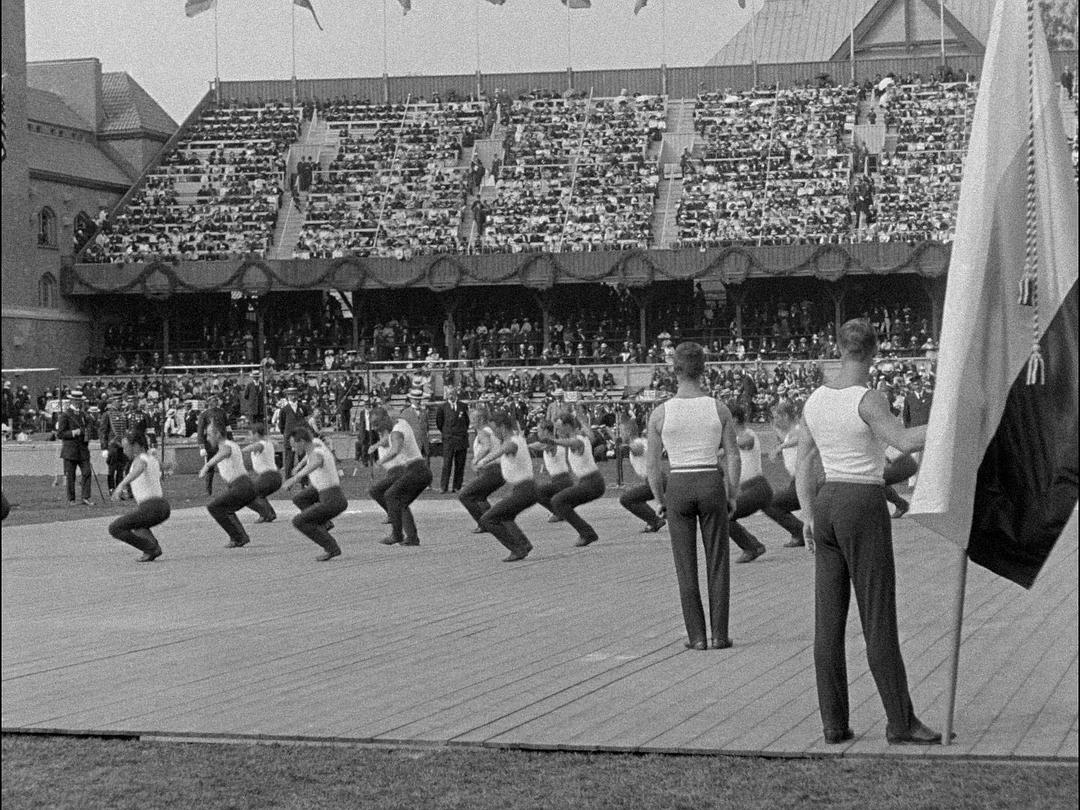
(173, 56)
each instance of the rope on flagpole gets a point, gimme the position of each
(1029, 282)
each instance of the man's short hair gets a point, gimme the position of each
(858, 339)
(689, 360)
(302, 433)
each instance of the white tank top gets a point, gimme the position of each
(231, 467)
(518, 467)
(582, 464)
(326, 475)
(555, 461)
(478, 447)
(263, 460)
(849, 451)
(147, 485)
(750, 460)
(791, 454)
(639, 463)
(692, 433)
(410, 450)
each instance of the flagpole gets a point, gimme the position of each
(753, 48)
(954, 656)
(569, 63)
(851, 37)
(217, 67)
(293, 7)
(663, 33)
(476, 27)
(941, 26)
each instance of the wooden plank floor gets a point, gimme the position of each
(576, 649)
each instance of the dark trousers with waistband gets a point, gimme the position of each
(395, 491)
(754, 494)
(499, 519)
(584, 490)
(693, 499)
(853, 535)
(266, 484)
(552, 487)
(475, 495)
(317, 508)
(134, 527)
(223, 508)
(784, 502)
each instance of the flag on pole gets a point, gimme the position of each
(639, 5)
(497, 2)
(999, 474)
(307, 4)
(406, 6)
(193, 7)
(577, 3)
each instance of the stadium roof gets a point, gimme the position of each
(75, 160)
(48, 108)
(129, 109)
(818, 30)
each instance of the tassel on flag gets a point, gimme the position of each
(639, 5)
(307, 4)
(193, 7)
(999, 473)
(406, 6)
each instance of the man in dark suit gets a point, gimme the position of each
(292, 416)
(214, 414)
(75, 450)
(452, 419)
(251, 399)
(917, 404)
(113, 427)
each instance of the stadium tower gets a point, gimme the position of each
(75, 139)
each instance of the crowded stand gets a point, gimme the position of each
(215, 195)
(918, 184)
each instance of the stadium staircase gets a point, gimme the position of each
(487, 149)
(319, 143)
(679, 135)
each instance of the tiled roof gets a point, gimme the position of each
(72, 158)
(48, 108)
(129, 108)
(813, 30)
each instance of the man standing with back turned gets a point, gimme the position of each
(845, 429)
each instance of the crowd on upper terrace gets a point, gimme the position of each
(215, 195)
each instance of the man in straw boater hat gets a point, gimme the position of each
(75, 450)
(291, 416)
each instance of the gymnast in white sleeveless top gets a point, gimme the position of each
(589, 483)
(474, 496)
(240, 492)
(407, 475)
(265, 474)
(151, 509)
(635, 497)
(556, 464)
(322, 500)
(516, 469)
(693, 428)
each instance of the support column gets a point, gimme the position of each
(737, 292)
(164, 315)
(260, 337)
(935, 291)
(642, 296)
(836, 293)
(355, 345)
(450, 302)
(543, 300)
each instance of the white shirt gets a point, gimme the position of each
(640, 462)
(478, 445)
(692, 433)
(849, 450)
(750, 459)
(555, 461)
(232, 466)
(791, 454)
(262, 460)
(410, 450)
(582, 464)
(326, 475)
(518, 467)
(148, 484)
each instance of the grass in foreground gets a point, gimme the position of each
(44, 772)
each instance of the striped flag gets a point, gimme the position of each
(577, 3)
(639, 5)
(307, 4)
(999, 474)
(193, 7)
(497, 2)
(406, 6)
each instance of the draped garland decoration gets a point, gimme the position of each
(161, 279)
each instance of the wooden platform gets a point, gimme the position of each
(577, 649)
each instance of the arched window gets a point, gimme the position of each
(84, 229)
(47, 291)
(46, 228)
